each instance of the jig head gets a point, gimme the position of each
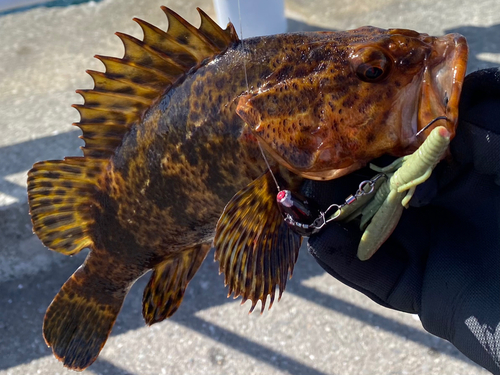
(305, 218)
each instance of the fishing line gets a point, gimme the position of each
(268, 166)
(243, 47)
(248, 90)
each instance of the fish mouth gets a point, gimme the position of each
(442, 84)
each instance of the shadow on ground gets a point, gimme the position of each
(481, 40)
(24, 302)
(48, 4)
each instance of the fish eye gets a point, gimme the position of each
(370, 65)
(369, 73)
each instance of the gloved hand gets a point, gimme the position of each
(443, 260)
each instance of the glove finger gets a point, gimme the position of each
(393, 276)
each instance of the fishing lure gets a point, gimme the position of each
(407, 173)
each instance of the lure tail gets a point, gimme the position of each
(79, 319)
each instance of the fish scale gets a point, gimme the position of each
(172, 160)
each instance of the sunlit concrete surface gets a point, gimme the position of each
(320, 327)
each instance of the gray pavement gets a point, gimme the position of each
(320, 327)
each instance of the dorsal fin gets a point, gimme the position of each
(149, 68)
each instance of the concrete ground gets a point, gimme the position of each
(320, 327)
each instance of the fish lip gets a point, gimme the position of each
(443, 78)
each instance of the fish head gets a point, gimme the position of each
(357, 95)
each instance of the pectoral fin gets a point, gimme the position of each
(255, 248)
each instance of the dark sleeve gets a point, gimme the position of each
(443, 259)
(461, 288)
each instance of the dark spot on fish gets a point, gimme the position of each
(348, 102)
(185, 59)
(54, 175)
(44, 192)
(69, 168)
(370, 138)
(264, 74)
(323, 82)
(194, 117)
(50, 220)
(302, 107)
(284, 72)
(125, 90)
(183, 38)
(219, 84)
(67, 184)
(198, 89)
(384, 116)
(57, 200)
(339, 93)
(190, 153)
(65, 217)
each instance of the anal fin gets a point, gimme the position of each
(255, 248)
(165, 290)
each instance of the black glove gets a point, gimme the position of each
(443, 259)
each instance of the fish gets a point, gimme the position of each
(188, 139)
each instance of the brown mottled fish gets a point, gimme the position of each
(171, 135)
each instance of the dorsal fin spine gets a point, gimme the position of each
(212, 31)
(159, 61)
(157, 39)
(113, 99)
(99, 114)
(102, 82)
(114, 65)
(176, 22)
(106, 83)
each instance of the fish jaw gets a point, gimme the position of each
(442, 84)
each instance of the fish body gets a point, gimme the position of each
(172, 134)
